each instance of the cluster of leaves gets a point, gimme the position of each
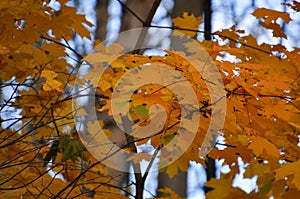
(42, 152)
(262, 118)
(152, 94)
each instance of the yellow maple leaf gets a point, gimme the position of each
(261, 146)
(182, 163)
(188, 21)
(138, 157)
(222, 188)
(167, 192)
(51, 83)
(290, 169)
(250, 89)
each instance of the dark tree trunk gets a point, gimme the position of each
(210, 163)
(178, 183)
(193, 6)
(207, 19)
(140, 8)
(102, 17)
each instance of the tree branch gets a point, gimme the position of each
(61, 44)
(146, 25)
(131, 11)
(216, 34)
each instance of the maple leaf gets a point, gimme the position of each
(291, 171)
(66, 20)
(230, 155)
(250, 89)
(262, 119)
(295, 5)
(138, 157)
(222, 188)
(188, 21)
(181, 163)
(270, 17)
(169, 193)
(71, 149)
(51, 83)
(262, 146)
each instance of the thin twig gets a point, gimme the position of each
(216, 34)
(131, 11)
(54, 122)
(151, 163)
(61, 44)
(136, 167)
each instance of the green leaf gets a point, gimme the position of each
(72, 149)
(168, 138)
(52, 154)
(140, 110)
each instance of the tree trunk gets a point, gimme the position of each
(179, 182)
(140, 8)
(102, 17)
(210, 163)
(118, 137)
(193, 6)
(207, 19)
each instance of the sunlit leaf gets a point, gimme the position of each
(188, 21)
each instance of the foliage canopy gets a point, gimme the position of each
(262, 124)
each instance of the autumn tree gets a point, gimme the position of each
(134, 13)
(170, 107)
